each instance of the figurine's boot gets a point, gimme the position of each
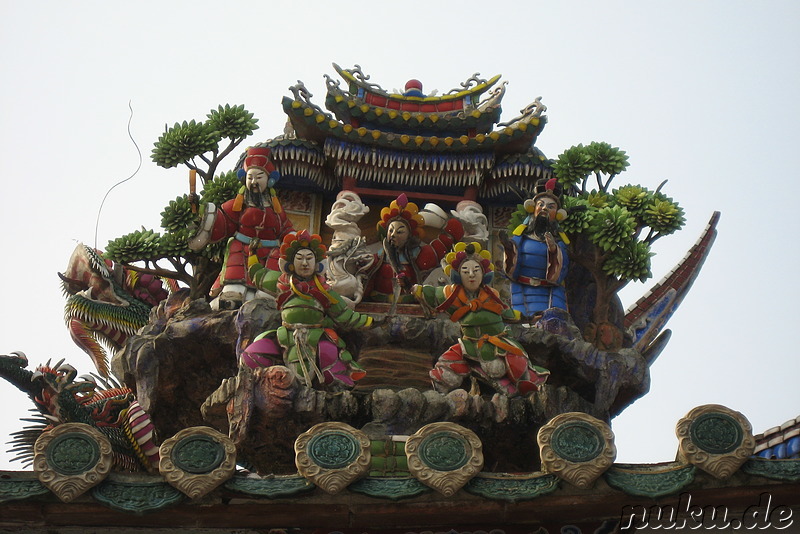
(526, 376)
(505, 386)
(444, 380)
(231, 297)
(450, 370)
(264, 352)
(338, 368)
(518, 373)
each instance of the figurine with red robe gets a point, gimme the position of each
(253, 221)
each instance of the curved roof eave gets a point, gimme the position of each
(312, 123)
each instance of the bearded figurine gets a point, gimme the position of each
(307, 342)
(407, 259)
(253, 221)
(536, 258)
(485, 350)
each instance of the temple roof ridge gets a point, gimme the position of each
(473, 87)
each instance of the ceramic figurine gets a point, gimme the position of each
(307, 342)
(407, 259)
(350, 264)
(474, 221)
(485, 349)
(253, 220)
(536, 258)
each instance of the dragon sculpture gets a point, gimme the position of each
(106, 303)
(60, 396)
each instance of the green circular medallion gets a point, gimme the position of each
(444, 451)
(716, 433)
(72, 453)
(333, 450)
(198, 454)
(577, 441)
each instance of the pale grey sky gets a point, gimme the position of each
(703, 94)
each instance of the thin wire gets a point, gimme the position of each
(97, 222)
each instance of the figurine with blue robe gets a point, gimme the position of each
(536, 258)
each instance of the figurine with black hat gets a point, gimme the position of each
(536, 258)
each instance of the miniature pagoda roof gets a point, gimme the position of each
(450, 124)
(374, 94)
(386, 143)
(456, 113)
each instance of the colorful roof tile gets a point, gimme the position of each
(780, 442)
(437, 145)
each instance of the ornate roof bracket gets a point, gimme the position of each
(534, 109)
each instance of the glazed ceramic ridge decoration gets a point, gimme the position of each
(332, 455)
(716, 439)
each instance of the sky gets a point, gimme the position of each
(702, 94)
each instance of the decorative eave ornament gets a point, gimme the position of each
(576, 447)
(716, 439)
(332, 455)
(444, 456)
(197, 459)
(72, 458)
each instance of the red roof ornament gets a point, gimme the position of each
(413, 88)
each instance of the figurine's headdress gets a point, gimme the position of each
(468, 251)
(545, 187)
(296, 241)
(403, 210)
(260, 157)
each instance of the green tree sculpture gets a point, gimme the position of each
(186, 143)
(606, 229)
(192, 144)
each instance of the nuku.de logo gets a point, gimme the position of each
(759, 516)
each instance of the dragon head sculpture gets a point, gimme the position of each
(106, 303)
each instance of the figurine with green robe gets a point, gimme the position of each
(311, 313)
(485, 349)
